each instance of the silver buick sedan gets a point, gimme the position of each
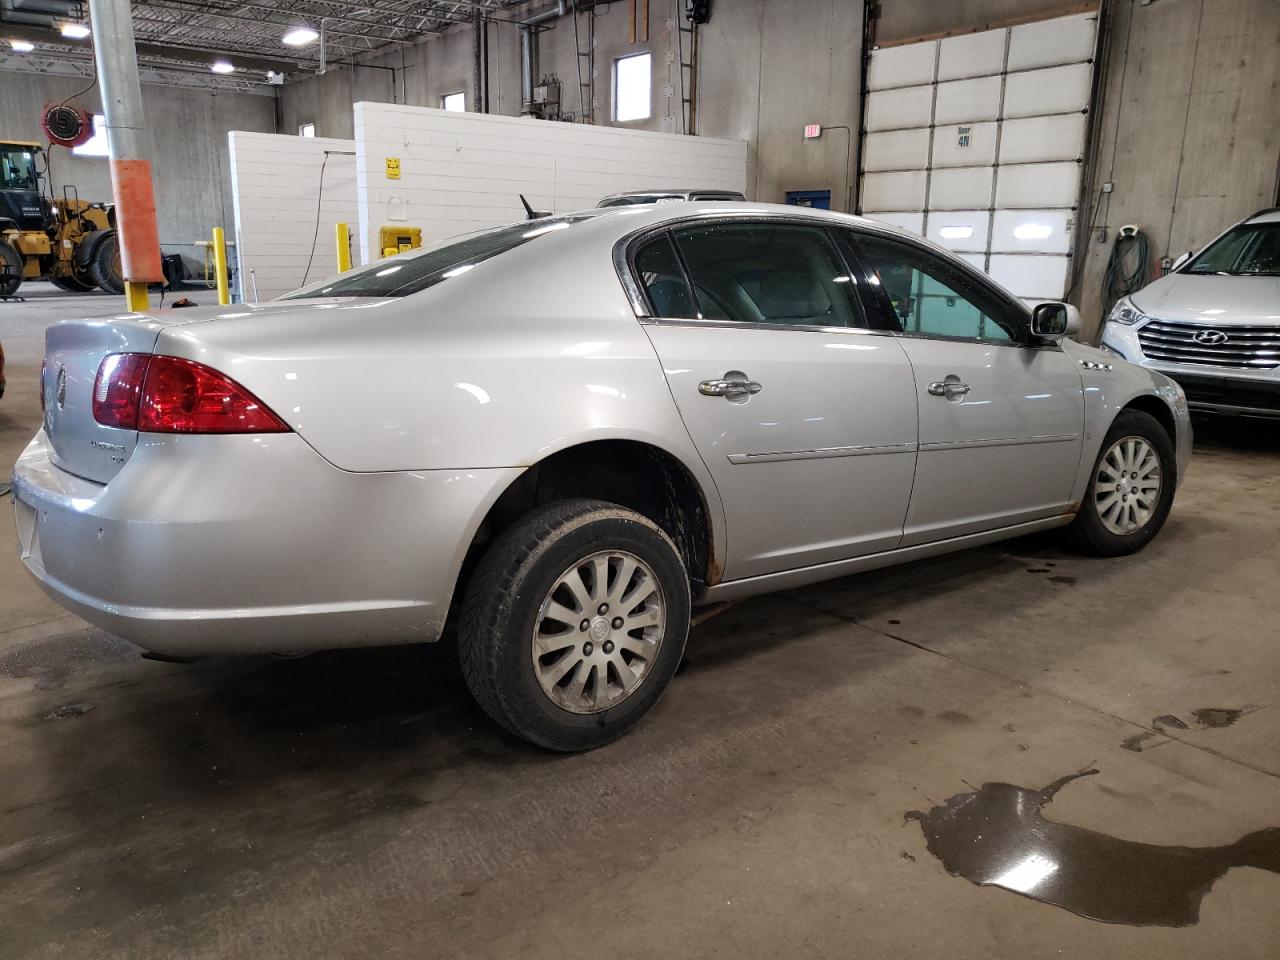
(560, 436)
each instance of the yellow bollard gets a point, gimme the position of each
(135, 296)
(220, 265)
(343, 238)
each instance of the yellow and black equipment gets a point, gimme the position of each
(68, 241)
(393, 240)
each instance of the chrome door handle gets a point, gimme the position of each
(951, 388)
(735, 389)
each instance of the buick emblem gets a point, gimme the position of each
(1210, 338)
(60, 391)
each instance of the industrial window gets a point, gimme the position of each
(95, 146)
(631, 87)
(306, 129)
(456, 102)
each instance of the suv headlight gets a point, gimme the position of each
(1125, 312)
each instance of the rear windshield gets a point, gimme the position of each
(640, 198)
(409, 273)
(1250, 250)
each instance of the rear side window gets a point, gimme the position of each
(663, 280)
(771, 273)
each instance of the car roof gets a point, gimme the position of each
(623, 221)
(1269, 215)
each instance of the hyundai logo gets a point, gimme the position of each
(1210, 338)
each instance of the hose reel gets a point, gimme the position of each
(66, 124)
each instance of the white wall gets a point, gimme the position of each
(461, 172)
(275, 182)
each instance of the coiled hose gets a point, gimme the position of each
(1116, 281)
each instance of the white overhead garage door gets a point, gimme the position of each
(977, 143)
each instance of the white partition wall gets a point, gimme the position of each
(459, 172)
(977, 142)
(288, 193)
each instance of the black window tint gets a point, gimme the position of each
(933, 297)
(768, 273)
(663, 280)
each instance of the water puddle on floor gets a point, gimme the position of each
(997, 835)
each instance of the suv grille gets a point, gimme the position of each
(1253, 347)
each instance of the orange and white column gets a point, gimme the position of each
(131, 182)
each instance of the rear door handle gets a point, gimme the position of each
(734, 386)
(951, 388)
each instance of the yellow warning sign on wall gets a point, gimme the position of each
(393, 168)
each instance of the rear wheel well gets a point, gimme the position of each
(629, 473)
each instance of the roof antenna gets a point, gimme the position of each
(530, 213)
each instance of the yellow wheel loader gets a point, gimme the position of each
(68, 241)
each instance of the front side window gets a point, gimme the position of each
(17, 168)
(932, 297)
(773, 273)
(409, 273)
(1251, 250)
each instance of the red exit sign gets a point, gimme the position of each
(812, 131)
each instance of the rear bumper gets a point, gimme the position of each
(221, 544)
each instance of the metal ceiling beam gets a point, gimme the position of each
(292, 14)
(181, 53)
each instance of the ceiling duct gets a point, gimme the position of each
(39, 13)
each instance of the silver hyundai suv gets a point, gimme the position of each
(1213, 323)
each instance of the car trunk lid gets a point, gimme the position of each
(73, 352)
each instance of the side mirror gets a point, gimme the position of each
(1054, 321)
(1180, 261)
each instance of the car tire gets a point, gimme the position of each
(574, 686)
(1130, 490)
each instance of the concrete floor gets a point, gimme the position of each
(356, 804)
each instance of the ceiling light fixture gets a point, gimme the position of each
(22, 46)
(299, 37)
(221, 66)
(74, 31)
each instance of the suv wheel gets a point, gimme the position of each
(573, 623)
(1131, 490)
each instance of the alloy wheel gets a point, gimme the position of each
(598, 632)
(1127, 486)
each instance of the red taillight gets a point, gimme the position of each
(117, 388)
(157, 394)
